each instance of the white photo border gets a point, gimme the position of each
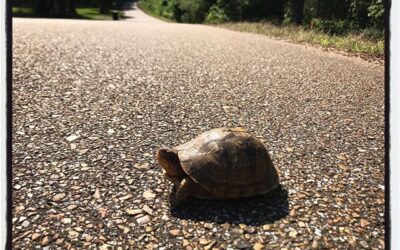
(392, 116)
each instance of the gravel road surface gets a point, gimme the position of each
(94, 100)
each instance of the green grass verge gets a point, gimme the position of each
(357, 43)
(148, 11)
(93, 14)
(22, 11)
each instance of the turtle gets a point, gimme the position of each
(222, 163)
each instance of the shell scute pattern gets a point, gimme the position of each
(228, 163)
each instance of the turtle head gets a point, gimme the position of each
(169, 161)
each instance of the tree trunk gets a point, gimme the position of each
(72, 7)
(297, 11)
(61, 8)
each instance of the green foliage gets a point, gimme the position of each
(358, 13)
(372, 33)
(310, 10)
(331, 27)
(234, 9)
(191, 10)
(63, 8)
(22, 11)
(216, 15)
(376, 12)
(162, 8)
(199, 11)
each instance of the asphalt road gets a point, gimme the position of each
(94, 100)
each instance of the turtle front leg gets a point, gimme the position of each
(183, 192)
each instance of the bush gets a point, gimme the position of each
(161, 8)
(194, 11)
(332, 27)
(376, 12)
(216, 15)
(373, 33)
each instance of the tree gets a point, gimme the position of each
(41, 8)
(54, 8)
(297, 11)
(105, 6)
(72, 7)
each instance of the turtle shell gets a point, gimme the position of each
(228, 163)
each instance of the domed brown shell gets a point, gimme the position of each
(228, 163)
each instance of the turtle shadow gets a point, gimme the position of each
(254, 211)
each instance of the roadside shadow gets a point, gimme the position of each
(127, 17)
(253, 211)
(127, 5)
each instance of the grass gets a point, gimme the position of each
(22, 11)
(356, 43)
(81, 13)
(93, 14)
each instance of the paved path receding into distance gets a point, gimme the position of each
(94, 100)
(135, 14)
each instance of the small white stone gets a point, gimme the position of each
(143, 220)
(26, 223)
(149, 195)
(72, 138)
(66, 220)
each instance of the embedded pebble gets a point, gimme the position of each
(143, 220)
